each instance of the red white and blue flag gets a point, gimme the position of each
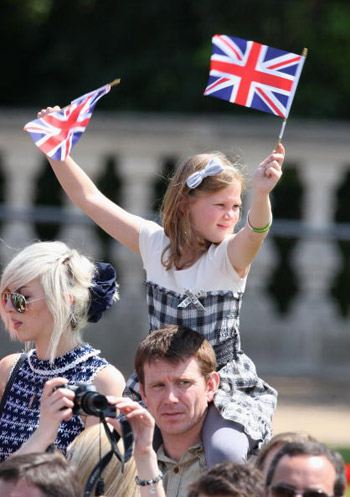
(253, 75)
(56, 133)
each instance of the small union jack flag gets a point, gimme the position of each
(253, 75)
(56, 133)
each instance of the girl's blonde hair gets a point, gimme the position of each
(175, 206)
(65, 276)
(84, 453)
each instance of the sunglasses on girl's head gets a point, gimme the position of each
(289, 491)
(18, 301)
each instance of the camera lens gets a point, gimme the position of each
(93, 403)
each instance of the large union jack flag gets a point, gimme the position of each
(254, 75)
(56, 133)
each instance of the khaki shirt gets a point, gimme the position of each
(179, 474)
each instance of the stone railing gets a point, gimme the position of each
(311, 336)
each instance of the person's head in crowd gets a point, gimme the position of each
(176, 367)
(307, 468)
(229, 479)
(38, 475)
(86, 450)
(53, 282)
(268, 451)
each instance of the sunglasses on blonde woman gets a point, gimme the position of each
(18, 301)
(281, 490)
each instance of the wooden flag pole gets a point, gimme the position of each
(115, 82)
(284, 122)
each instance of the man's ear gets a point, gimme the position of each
(212, 385)
(142, 393)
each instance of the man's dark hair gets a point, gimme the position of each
(229, 479)
(312, 449)
(175, 344)
(51, 473)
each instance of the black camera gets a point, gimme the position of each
(88, 401)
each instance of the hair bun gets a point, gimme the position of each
(102, 290)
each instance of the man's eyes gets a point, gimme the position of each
(185, 382)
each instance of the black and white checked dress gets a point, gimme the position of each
(242, 396)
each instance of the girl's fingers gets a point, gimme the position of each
(48, 110)
(273, 171)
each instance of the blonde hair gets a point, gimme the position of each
(84, 453)
(65, 276)
(175, 206)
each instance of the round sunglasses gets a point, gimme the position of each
(281, 490)
(18, 301)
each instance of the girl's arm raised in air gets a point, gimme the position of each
(244, 247)
(118, 223)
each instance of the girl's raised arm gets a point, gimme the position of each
(118, 223)
(244, 247)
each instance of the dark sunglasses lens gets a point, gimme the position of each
(282, 491)
(18, 302)
(315, 493)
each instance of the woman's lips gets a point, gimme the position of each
(16, 324)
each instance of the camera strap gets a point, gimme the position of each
(113, 437)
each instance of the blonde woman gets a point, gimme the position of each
(49, 293)
(84, 453)
(141, 475)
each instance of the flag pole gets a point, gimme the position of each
(114, 82)
(284, 122)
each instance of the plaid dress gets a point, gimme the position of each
(242, 396)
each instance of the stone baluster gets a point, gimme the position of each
(138, 173)
(82, 234)
(20, 168)
(315, 261)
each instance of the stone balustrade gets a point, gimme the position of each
(312, 336)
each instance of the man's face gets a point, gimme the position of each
(303, 472)
(177, 395)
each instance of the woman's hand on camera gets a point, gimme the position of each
(55, 406)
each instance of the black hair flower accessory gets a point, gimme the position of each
(102, 290)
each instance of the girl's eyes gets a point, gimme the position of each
(234, 207)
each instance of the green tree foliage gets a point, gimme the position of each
(54, 50)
